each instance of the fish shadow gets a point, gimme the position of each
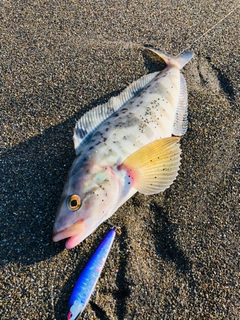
(32, 176)
(151, 61)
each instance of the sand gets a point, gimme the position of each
(177, 256)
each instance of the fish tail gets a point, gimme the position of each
(179, 61)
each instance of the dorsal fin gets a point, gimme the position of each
(91, 121)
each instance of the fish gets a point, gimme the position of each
(88, 278)
(129, 144)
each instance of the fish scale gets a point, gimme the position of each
(122, 147)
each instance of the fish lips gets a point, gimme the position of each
(74, 233)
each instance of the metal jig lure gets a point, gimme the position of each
(88, 278)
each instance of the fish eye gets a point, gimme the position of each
(74, 202)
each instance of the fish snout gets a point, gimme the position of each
(59, 225)
(63, 222)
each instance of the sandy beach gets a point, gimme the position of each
(177, 256)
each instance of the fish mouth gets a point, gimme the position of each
(74, 233)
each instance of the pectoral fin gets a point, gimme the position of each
(154, 167)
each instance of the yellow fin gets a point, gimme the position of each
(154, 167)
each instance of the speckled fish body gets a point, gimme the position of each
(122, 147)
(87, 280)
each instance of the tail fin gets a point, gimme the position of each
(178, 61)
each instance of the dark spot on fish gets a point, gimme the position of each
(129, 182)
(116, 114)
(98, 143)
(110, 111)
(106, 129)
(81, 132)
(90, 148)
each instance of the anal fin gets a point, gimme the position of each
(181, 122)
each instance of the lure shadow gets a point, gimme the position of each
(100, 313)
(123, 292)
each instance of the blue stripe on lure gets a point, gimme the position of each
(88, 278)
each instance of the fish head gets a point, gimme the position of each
(89, 197)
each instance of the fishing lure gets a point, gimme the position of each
(88, 278)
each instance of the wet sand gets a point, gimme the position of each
(177, 256)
